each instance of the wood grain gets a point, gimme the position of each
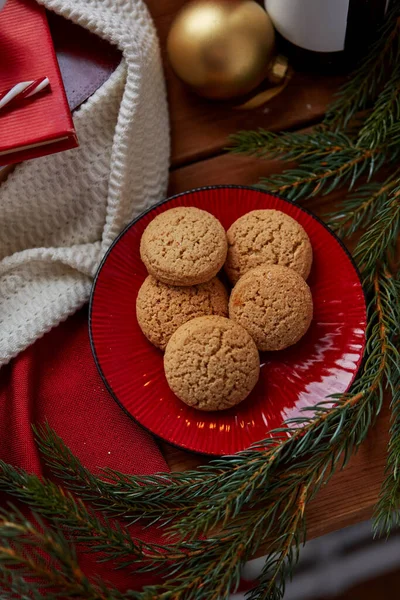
(241, 170)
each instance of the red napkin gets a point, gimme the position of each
(56, 380)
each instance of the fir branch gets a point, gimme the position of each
(379, 241)
(358, 210)
(316, 176)
(279, 565)
(327, 160)
(385, 113)
(365, 83)
(288, 146)
(155, 498)
(387, 512)
(100, 536)
(22, 545)
(14, 587)
(179, 490)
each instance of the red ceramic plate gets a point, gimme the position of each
(324, 362)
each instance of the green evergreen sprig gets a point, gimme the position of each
(385, 114)
(338, 153)
(32, 555)
(364, 85)
(289, 146)
(330, 435)
(387, 513)
(358, 210)
(326, 160)
(216, 517)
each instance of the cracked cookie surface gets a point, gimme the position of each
(274, 304)
(184, 246)
(211, 363)
(267, 237)
(161, 308)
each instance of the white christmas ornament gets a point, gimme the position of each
(317, 25)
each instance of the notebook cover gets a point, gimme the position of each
(27, 53)
(86, 61)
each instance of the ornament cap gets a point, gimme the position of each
(278, 69)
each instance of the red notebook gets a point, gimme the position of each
(42, 124)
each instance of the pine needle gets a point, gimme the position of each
(216, 517)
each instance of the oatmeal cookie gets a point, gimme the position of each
(162, 308)
(184, 246)
(211, 363)
(274, 304)
(267, 237)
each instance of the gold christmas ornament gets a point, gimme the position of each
(221, 48)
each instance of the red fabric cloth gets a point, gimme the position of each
(56, 380)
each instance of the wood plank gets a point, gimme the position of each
(233, 169)
(200, 127)
(222, 170)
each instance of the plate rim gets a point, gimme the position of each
(161, 203)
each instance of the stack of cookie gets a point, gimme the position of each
(211, 362)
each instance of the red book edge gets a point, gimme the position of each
(66, 140)
(59, 144)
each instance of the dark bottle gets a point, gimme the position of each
(327, 35)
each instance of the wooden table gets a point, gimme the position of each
(199, 130)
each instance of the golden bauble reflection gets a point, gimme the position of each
(222, 48)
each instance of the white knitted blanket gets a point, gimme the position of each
(59, 214)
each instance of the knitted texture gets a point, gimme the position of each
(60, 213)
